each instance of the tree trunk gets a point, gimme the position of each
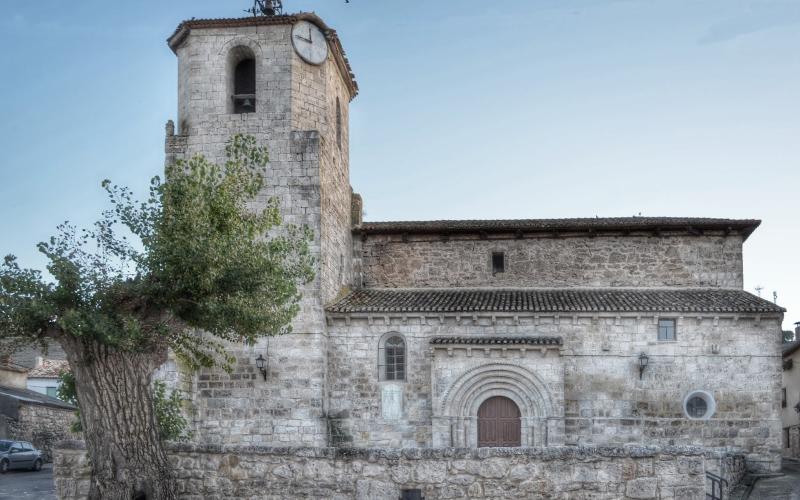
(119, 424)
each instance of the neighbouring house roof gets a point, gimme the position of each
(48, 368)
(183, 30)
(553, 300)
(32, 397)
(496, 341)
(11, 367)
(28, 356)
(692, 225)
(790, 348)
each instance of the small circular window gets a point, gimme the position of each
(699, 405)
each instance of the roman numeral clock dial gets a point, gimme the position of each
(310, 43)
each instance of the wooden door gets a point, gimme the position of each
(499, 423)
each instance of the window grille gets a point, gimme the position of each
(392, 359)
(696, 407)
(666, 329)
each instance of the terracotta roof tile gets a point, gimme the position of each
(553, 300)
(49, 368)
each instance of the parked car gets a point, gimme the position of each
(19, 455)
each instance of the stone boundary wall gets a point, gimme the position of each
(601, 473)
(731, 467)
(43, 426)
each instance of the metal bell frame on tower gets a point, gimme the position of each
(266, 8)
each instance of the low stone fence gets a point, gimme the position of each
(730, 466)
(214, 472)
(42, 425)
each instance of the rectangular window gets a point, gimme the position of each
(666, 329)
(783, 397)
(498, 262)
(786, 443)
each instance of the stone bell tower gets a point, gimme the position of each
(285, 80)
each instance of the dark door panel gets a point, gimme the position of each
(499, 423)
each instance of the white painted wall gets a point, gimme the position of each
(40, 385)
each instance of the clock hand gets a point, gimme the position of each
(303, 38)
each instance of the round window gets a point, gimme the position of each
(699, 405)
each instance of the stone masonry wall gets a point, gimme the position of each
(241, 407)
(736, 359)
(316, 90)
(43, 426)
(603, 261)
(205, 473)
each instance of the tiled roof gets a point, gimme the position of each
(496, 340)
(790, 348)
(32, 397)
(49, 368)
(616, 224)
(182, 31)
(553, 300)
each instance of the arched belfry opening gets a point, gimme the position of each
(242, 80)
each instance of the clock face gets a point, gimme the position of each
(309, 42)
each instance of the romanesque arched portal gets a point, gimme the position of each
(519, 386)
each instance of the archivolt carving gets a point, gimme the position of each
(498, 379)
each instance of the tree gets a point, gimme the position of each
(192, 268)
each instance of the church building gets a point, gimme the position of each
(464, 333)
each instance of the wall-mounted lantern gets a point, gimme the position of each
(261, 364)
(644, 360)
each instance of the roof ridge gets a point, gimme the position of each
(693, 225)
(555, 219)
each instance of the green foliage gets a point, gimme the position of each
(196, 264)
(172, 426)
(68, 394)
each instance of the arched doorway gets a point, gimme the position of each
(499, 423)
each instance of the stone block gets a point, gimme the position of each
(641, 488)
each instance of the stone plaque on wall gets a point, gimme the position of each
(391, 402)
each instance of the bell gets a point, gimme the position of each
(247, 103)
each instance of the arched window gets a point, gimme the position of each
(242, 80)
(392, 358)
(338, 123)
(244, 85)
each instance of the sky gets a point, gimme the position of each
(468, 110)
